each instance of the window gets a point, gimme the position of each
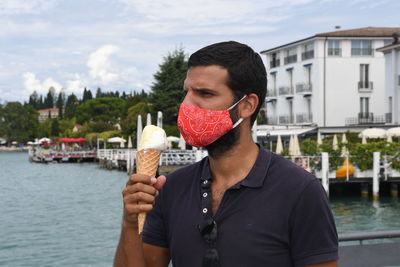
(307, 70)
(361, 48)
(364, 106)
(364, 82)
(273, 76)
(334, 48)
(275, 62)
(290, 76)
(308, 51)
(291, 55)
(390, 104)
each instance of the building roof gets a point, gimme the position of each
(359, 32)
(48, 109)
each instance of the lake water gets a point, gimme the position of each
(70, 214)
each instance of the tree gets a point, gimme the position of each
(87, 95)
(167, 90)
(71, 106)
(34, 100)
(20, 122)
(60, 103)
(106, 109)
(99, 93)
(129, 124)
(50, 98)
(54, 127)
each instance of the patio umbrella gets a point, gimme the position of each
(148, 122)
(393, 131)
(291, 146)
(319, 139)
(122, 144)
(116, 140)
(344, 139)
(279, 146)
(297, 145)
(129, 142)
(335, 142)
(172, 139)
(373, 133)
(389, 139)
(364, 140)
(139, 130)
(182, 143)
(159, 119)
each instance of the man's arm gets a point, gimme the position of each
(131, 252)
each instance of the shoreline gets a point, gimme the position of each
(13, 149)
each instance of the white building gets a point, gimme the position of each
(392, 80)
(331, 80)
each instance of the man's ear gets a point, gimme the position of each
(248, 106)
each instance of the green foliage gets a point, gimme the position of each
(71, 106)
(309, 147)
(167, 90)
(19, 123)
(129, 125)
(106, 109)
(55, 129)
(172, 130)
(261, 118)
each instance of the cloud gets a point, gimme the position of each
(12, 7)
(31, 84)
(100, 67)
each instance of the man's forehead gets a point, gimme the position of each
(205, 76)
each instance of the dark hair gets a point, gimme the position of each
(245, 68)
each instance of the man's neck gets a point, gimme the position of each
(235, 164)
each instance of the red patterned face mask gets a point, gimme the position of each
(201, 127)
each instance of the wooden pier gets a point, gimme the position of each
(37, 154)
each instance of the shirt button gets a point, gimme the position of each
(205, 182)
(205, 210)
(205, 194)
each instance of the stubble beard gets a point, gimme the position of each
(225, 143)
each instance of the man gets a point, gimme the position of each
(240, 206)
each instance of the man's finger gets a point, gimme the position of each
(161, 180)
(139, 178)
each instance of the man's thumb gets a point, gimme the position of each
(161, 180)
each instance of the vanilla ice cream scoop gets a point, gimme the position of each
(153, 137)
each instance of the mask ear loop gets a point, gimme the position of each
(234, 105)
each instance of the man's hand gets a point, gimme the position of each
(139, 195)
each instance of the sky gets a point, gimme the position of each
(119, 44)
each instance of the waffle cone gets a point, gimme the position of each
(147, 161)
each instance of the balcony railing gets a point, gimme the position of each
(304, 88)
(274, 63)
(365, 86)
(290, 59)
(304, 118)
(286, 119)
(334, 51)
(286, 91)
(272, 120)
(361, 51)
(366, 118)
(307, 55)
(388, 117)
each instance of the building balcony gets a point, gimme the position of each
(365, 86)
(290, 59)
(272, 120)
(334, 51)
(274, 63)
(286, 119)
(388, 117)
(286, 91)
(304, 118)
(307, 55)
(271, 95)
(366, 118)
(304, 88)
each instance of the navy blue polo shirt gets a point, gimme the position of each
(278, 215)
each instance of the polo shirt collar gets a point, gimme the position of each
(256, 176)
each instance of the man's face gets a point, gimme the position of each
(206, 87)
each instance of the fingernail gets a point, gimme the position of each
(153, 180)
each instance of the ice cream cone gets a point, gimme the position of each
(147, 161)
